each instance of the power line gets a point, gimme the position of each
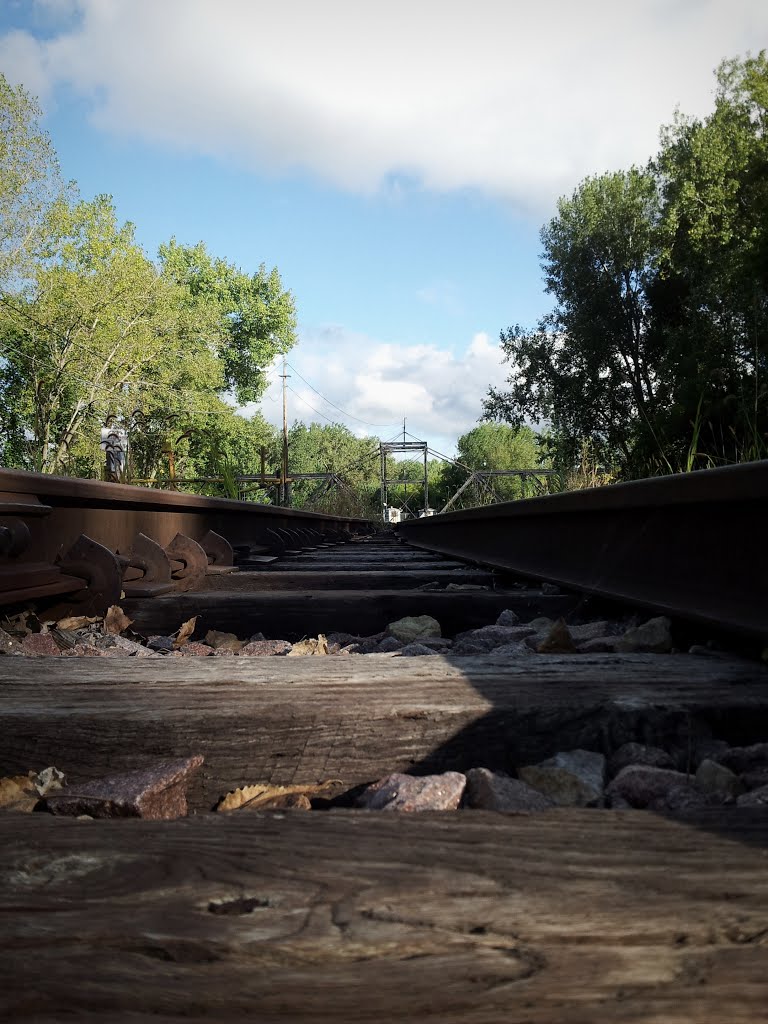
(302, 399)
(336, 407)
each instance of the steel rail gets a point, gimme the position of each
(93, 540)
(692, 545)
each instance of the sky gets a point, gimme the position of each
(395, 162)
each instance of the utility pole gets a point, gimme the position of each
(284, 468)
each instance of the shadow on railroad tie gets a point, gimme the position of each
(531, 709)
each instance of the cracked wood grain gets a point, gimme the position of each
(568, 916)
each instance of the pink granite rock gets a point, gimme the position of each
(40, 645)
(194, 649)
(265, 648)
(159, 792)
(89, 651)
(398, 792)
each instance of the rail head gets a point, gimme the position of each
(74, 492)
(691, 545)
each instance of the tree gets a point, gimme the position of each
(246, 319)
(30, 183)
(332, 448)
(590, 369)
(714, 180)
(655, 353)
(491, 447)
(203, 442)
(94, 332)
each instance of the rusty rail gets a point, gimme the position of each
(86, 542)
(692, 545)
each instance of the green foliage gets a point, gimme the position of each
(713, 176)
(655, 353)
(30, 183)
(91, 331)
(491, 447)
(246, 319)
(91, 326)
(589, 367)
(496, 446)
(215, 442)
(333, 448)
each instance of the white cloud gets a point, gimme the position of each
(378, 383)
(514, 98)
(23, 61)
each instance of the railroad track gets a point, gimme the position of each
(570, 914)
(89, 541)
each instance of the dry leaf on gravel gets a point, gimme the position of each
(18, 793)
(77, 621)
(116, 621)
(309, 646)
(17, 624)
(261, 797)
(185, 632)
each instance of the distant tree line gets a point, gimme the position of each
(656, 354)
(355, 464)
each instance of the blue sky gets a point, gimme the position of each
(395, 162)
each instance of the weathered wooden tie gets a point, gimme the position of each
(565, 916)
(294, 614)
(355, 719)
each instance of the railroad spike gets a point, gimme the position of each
(189, 562)
(147, 569)
(218, 551)
(100, 569)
